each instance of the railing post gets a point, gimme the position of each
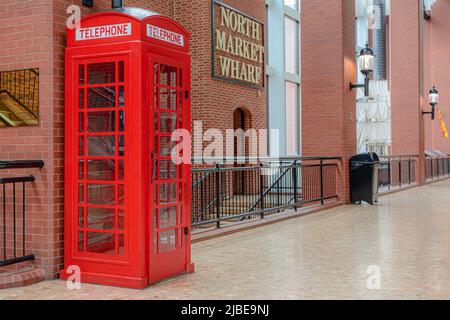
(4, 221)
(409, 170)
(322, 201)
(261, 190)
(218, 195)
(295, 184)
(432, 169)
(400, 172)
(202, 200)
(14, 219)
(389, 174)
(278, 185)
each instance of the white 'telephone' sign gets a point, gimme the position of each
(165, 35)
(101, 32)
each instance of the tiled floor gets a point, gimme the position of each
(325, 255)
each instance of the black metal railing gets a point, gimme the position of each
(397, 172)
(437, 168)
(226, 193)
(13, 217)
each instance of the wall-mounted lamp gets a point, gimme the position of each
(366, 61)
(88, 3)
(433, 100)
(116, 4)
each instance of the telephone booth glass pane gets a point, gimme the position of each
(167, 175)
(101, 164)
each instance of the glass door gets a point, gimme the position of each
(101, 158)
(168, 214)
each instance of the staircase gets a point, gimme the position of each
(19, 98)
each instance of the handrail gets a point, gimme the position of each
(15, 247)
(228, 160)
(21, 164)
(19, 102)
(272, 186)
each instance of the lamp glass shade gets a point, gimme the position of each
(433, 98)
(366, 63)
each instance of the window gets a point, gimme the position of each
(293, 4)
(292, 111)
(284, 77)
(19, 98)
(291, 45)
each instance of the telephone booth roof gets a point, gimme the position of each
(129, 24)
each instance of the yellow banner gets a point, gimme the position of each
(443, 126)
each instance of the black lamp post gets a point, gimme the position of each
(366, 61)
(433, 100)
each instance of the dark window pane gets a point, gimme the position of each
(121, 145)
(168, 217)
(81, 98)
(168, 75)
(168, 193)
(121, 220)
(121, 244)
(103, 97)
(81, 169)
(102, 170)
(167, 241)
(166, 146)
(101, 194)
(121, 194)
(102, 121)
(81, 73)
(121, 71)
(168, 99)
(101, 146)
(81, 146)
(167, 170)
(81, 218)
(81, 241)
(121, 97)
(101, 218)
(168, 122)
(121, 170)
(102, 72)
(121, 121)
(81, 193)
(101, 243)
(80, 122)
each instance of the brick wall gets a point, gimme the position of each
(405, 77)
(408, 62)
(328, 66)
(219, 98)
(437, 71)
(27, 42)
(32, 36)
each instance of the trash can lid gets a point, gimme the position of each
(369, 157)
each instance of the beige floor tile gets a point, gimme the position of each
(320, 256)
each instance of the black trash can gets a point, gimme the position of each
(364, 178)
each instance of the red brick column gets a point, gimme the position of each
(407, 80)
(328, 66)
(437, 72)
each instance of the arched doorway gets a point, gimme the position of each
(242, 123)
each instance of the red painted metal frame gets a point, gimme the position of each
(137, 265)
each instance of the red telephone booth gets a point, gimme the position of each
(127, 204)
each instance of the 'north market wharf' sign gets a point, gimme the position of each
(238, 41)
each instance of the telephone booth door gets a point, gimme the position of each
(170, 179)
